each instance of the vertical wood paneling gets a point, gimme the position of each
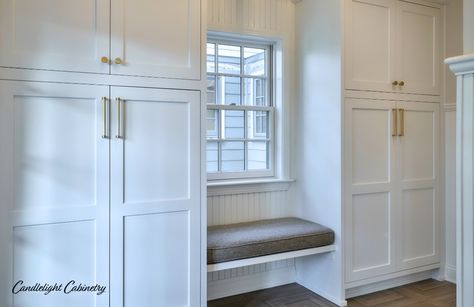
(266, 16)
(227, 209)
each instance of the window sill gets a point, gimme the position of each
(229, 187)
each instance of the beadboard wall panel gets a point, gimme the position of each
(237, 208)
(259, 16)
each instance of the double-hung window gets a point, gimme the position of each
(240, 111)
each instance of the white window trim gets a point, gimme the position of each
(270, 78)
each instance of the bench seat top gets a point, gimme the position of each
(264, 237)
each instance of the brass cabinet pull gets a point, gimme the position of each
(104, 118)
(402, 122)
(401, 83)
(394, 122)
(119, 118)
(118, 61)
(395, 83)
(105, 60)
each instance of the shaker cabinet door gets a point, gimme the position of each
(419, 45)
(54, 187)
(418, 177)
(155, 190)
(156, 38)
(370, 188)
(64, 35)
(370, 42)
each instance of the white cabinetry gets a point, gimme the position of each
(391, 186)
(139, 38)
(100, 171)
(389, 43)
(63, 139)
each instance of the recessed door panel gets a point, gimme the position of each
(63, 35)
(143, 39)
(55, 152)
(418, 155)
(371, 145)
(62, 254)
(157, 151)
(418, 223)
(157, 260)
(371, 219)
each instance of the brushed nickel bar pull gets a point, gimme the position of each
(104, 118)
(402, 122)
(394, 122)
(119, 118)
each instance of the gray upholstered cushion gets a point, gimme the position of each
(265, 237)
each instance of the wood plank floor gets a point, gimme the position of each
(428, 293)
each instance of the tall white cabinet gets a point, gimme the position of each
(391, 139)
(101, 184)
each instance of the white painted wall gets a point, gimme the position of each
(468, 26)
(318, 137)
(273, 20)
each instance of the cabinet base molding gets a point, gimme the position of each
(228, 287)
(450, 274)
(392, 281)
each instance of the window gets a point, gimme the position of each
(240, 110)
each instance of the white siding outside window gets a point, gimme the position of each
(240, 111)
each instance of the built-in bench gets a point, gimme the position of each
(237, 245)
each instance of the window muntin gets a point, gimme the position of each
(240, 110)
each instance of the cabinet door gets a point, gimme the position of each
(370, 42)
(370, 188)
(155, 213)
(419, 44)
(55, 193)
(418, 171)
(64, 35)
(157, 38)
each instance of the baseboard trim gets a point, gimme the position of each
(333, 299)
(228, 287)
(450, 274)
(387, 284)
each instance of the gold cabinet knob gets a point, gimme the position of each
(104, 60)
(118, 61)
(401, 83)
(395, 83)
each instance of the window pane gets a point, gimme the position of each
(212, 124)
(233, 124)
(255, 92)
(229, 59)
(258, 155)
(228, 90)
(233, 156)
(212, 157)
(211, 56)
(254, 62)
(211, 89)
(258, 124)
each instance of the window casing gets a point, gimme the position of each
(240, 110)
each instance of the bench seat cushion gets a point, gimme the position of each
(264, 237)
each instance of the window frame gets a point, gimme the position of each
(268, 77)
